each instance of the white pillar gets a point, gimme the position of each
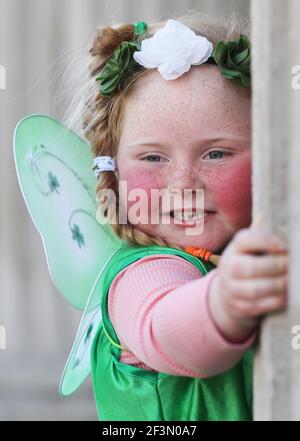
(276, 191)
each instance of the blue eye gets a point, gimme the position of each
(216, 154)
(152, 156)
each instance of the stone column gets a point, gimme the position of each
(276, 194)
(39, 42)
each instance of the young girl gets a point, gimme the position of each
(177, 332)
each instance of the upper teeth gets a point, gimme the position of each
(189, 215)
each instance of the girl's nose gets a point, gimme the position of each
(183, 177)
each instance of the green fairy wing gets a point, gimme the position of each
(54, 169)
(78, 365)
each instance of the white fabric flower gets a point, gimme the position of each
(173, 49)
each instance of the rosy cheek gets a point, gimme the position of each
(233, 193)
(143, 180)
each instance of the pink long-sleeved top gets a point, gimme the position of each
(159, 309)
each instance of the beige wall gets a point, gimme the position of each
(275, 148)
(37, 38)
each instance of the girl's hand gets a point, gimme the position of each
(252, 281)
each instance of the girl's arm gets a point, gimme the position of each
(159, 309)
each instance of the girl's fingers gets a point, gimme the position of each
(254, 241)
(260, 288)
(248, 309)
(247, 266)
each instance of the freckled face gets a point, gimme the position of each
(190, 133)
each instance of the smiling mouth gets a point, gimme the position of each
(189, 216)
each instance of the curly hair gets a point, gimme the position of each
(102, 116)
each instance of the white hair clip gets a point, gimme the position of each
(104, 163)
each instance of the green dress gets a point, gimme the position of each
(127, 393)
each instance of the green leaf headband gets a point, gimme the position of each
(121, 63)
(173, 49)
(233, 57)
